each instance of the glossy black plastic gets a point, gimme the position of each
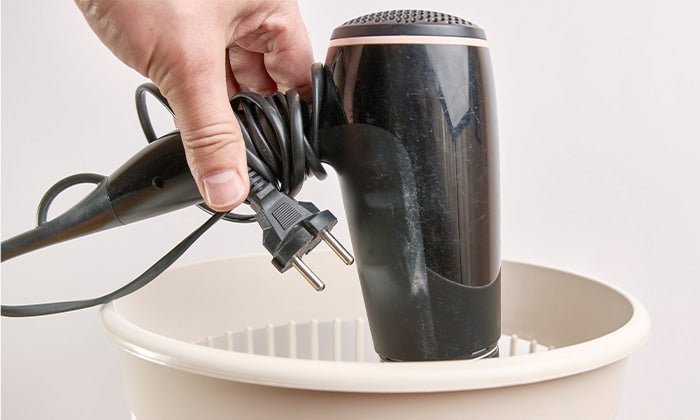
(154, 181)
(414, 142)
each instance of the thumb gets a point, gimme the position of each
(210, 132)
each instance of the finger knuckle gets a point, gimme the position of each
(211, 139)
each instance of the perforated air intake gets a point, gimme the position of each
(408, 16)
(408, 22)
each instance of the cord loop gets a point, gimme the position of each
(275, 130)
(57, 188)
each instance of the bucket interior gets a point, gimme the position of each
(238, 305)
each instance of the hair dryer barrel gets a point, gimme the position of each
(413, 139)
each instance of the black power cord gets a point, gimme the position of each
(146, 277)
(280, 157)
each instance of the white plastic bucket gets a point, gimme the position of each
(233, 339)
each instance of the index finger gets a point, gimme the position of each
(283, 39)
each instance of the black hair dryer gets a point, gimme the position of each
(404, 111)
(409, 124)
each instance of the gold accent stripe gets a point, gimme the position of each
(408, 39)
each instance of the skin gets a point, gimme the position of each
(199, 53)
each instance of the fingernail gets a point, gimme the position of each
(223, 188)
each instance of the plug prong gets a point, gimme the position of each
(337, 247)
(309, 275)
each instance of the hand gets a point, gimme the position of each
(199, 53)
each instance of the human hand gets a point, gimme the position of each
(199, 53)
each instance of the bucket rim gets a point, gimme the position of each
(404, 377)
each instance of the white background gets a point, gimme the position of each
(599, 109)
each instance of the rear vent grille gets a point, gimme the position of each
(408, 22)
(409, 17)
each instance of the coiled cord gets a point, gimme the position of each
(276, 130)
(279, 131)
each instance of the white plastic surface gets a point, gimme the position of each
(171, 329)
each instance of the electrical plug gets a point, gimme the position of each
(291, 229)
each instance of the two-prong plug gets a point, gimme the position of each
(291, 229)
